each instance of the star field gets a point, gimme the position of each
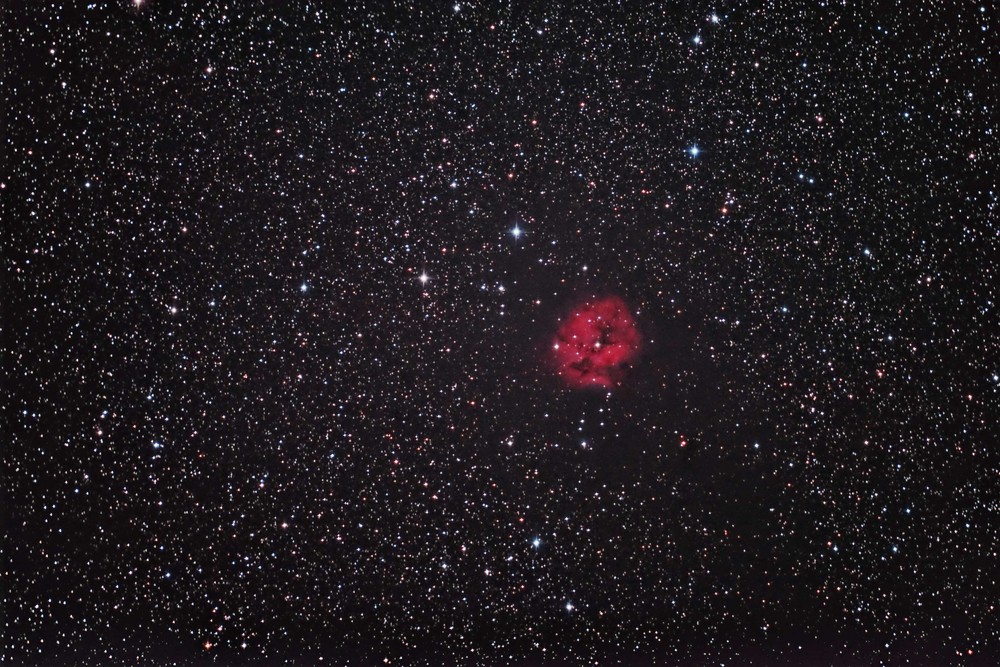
(281, 286)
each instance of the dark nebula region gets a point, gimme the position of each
(595, 344)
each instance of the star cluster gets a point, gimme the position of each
(281, 282)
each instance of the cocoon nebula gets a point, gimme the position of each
(595, 343)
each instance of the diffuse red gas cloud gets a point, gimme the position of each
(595, 343)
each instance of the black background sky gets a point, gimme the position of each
(281, 282)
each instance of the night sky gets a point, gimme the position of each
(477, 333)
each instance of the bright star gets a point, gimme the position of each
(516, 232)
(423, 278)
(694, 150)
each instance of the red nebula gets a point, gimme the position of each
(595, 343)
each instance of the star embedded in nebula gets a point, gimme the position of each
(595, 343)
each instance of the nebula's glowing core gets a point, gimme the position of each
(595, 343)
